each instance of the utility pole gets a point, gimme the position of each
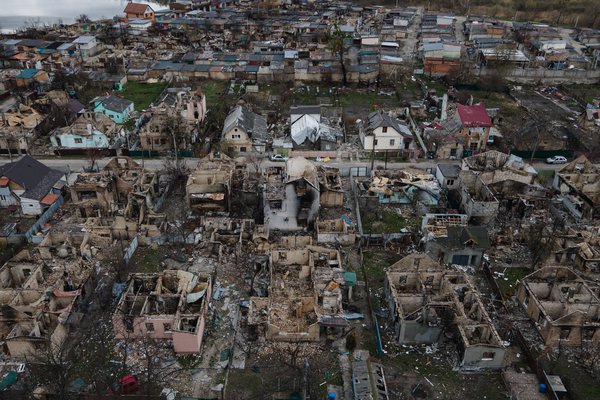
(305, 380)
(373, 153)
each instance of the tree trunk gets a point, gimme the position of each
(344, 80)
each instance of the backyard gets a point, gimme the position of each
(384, 221)
(143, 94)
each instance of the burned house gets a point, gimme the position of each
(580, 249)
(246, 196)
(579, 185)
(436, 225)
(209, 186)
(42, 301)
(18, 128)
(336, 231)
(564, 308)
(426, 299)
(476, 199)
(330, 186)
(292, 196)
(223, 235)
(181, 108)
(304, 286)
(368, 380)
(94, 238)
(170, 305)
(123, 188)
(462, 245)
(503, 173)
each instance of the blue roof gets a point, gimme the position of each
(28, 73)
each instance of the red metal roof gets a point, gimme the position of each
(49, 199)
(474, 116)
(136, 8)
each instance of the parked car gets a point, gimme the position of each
(126, 385)
(556, 160)
(278, 157)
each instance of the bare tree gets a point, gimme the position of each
(53, 368)
(335, 42)
(540, 242)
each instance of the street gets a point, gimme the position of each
(68, 165)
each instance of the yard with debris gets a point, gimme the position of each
(383, 221)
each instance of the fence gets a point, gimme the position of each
(543, 154)
(316, 154)
(45, 217)
(359, 171)
(545, 75)
(130, 250)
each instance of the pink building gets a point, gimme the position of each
(170, 305)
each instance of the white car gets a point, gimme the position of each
(278, 157)
(556, 160)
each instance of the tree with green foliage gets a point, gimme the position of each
(335, 43)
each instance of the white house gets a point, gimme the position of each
(89, 131)
(448, 175)
(382, 132)
(86, 45)
(30, 184)
(244, 131)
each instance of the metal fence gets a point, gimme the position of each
(45, 217)
(130, 250)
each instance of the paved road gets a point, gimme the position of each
(77, 164)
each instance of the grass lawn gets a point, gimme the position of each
(508, 283)
(310, 95)
(439, 87)
(385, 221)
(143, 94)
(493, 99)
(147, 259)
(213, 91)
(545, 176)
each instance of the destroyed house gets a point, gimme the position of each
(222, 233)
(436, 225)
(336, 231)
(462, 245)
(581, 249)
(400, 187)
(292, 197)
(89, 131)
(476, 199)
(304, 295)
(426, 299)
(579, 184)
(311, 131)
(330, 185)
(494, 166)
(564, 308)
(42, 302)
(170, 305)
(209, 186)
(89, 239)
(123, 186)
